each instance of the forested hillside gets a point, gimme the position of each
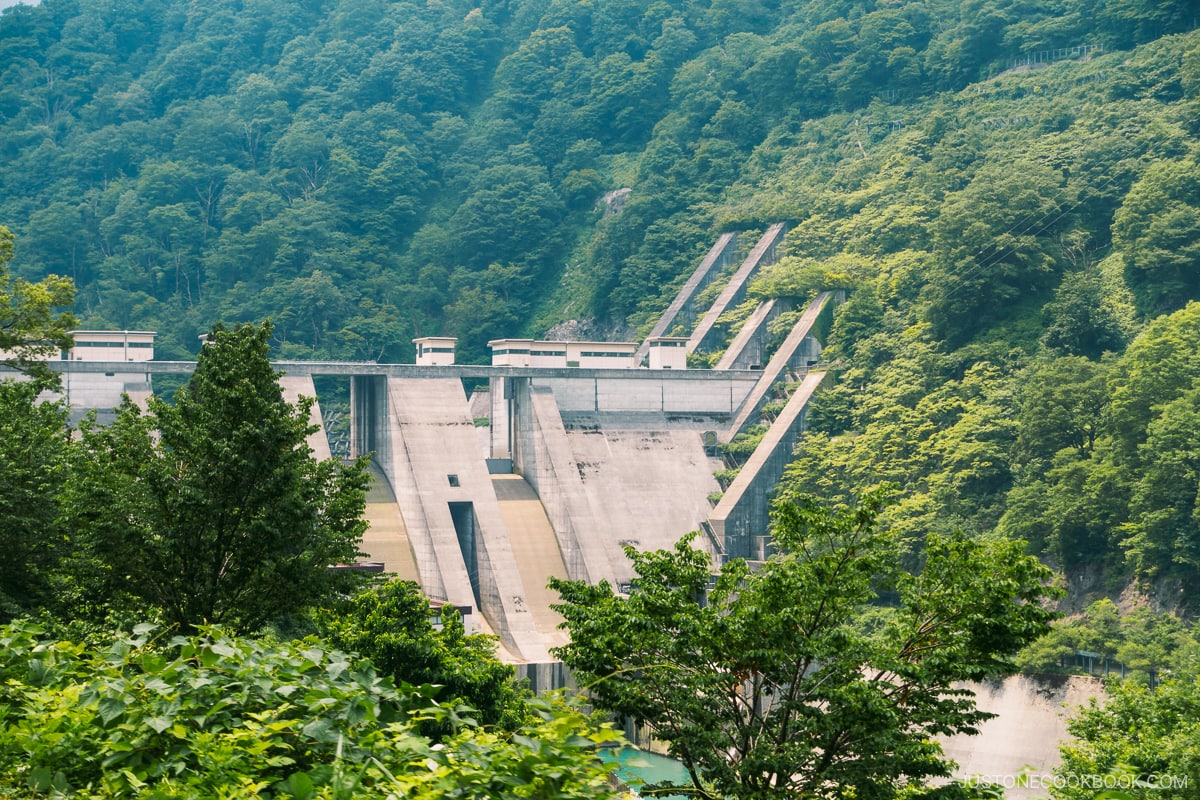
(365, 171)
(1009, 189)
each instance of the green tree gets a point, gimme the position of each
(1163, 533)
(1078, 321)
(391, 625)
(1159, 366)
(33, 434)
(213, 509)
(781, 681)
(1145, 742)
(989, 248)
(1157, 231)
(1062, 403)
(33, 443)
(214, 715)
(30, 329)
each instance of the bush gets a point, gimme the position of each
(213, 716)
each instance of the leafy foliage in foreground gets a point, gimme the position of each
(784, 681)
(390, 624)
(214, 716)
(1144, 741)
(34, 438)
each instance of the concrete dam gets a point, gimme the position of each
(565, 453)
(551, 470)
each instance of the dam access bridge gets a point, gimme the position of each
(551, 471)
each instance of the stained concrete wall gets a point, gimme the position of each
(542, 454)
(499, 423)
(431, 456)
(649, 477)
(706, 334)
(100, 392)
(294, 387)
(672, 395)
(386, 538)
(536, 552)
(607, 479)
(749, 346)
(741, 519)
(368, 419)
(1032, 715)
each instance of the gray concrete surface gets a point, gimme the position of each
(436, 461)
(542, 454)
(747, 350)
(741, 520)
(386, 537)
(649, 482)
(293, 388)
(670, 394)
(797, 350)
(1025, 736)
(705, 335)
(535, 549)
(682, 310)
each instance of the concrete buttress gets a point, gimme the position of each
(451, 511)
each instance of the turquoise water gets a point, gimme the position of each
(636, 767)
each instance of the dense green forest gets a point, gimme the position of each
(1008, 189)
(367, 171)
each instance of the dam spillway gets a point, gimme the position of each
(553, 470)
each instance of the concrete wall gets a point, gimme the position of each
(536, 550)
(368, 419)
(612, 478)
(101, 392)
(798, 351)
(1032, 715)
(706, 334)
(742, 517)
(682, 310)
(749, 346)
(648, 478)
(676, 394)
(542, 454)
(435, 462)
(294, 387)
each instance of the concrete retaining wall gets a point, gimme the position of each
(741, 519)
(682, 310)
(543, 456)
(706, 334)
(798, 351)
(435, 461)
(749, 346)
(667, 395)
(1031, 722)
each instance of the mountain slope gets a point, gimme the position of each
(1009, 189)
